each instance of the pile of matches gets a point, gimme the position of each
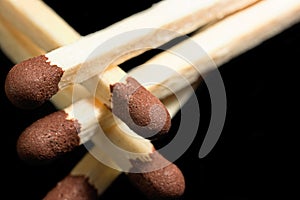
(81, 77)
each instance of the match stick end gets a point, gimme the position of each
(143, 112)
(32, 82)
(48, 138)
(72, 187)
(161, 179)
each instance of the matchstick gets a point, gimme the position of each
(18, 46)
(64, 63)
(220, 42)
(52, 72)
(159, 24)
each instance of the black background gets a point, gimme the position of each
(253, 157)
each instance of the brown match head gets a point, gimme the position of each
(48, 138)
(72, 188)
(166, 181)
(32, 82)
(143, 112)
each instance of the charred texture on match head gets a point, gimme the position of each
(158, 178)
(48, 138)
(32, 82)
(140, 109)
(72, 188)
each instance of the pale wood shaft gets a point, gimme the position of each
(16, 46)
(38, 22)
(136, 34)
(216, 45)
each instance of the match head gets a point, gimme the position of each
(32, 82)
(143, 112)
(72, 188)
(48, 138)
(161, 179)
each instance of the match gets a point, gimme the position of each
(71, 63)
(19, 46)
(64, 63)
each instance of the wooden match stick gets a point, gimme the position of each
(18, 46)
(219, 42)
(64, 63)
(52, 72)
